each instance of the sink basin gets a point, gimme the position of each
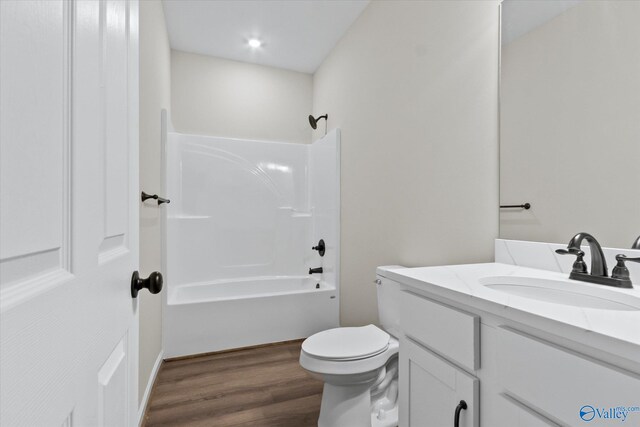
(563, 292)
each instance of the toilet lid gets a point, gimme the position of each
(347, 343)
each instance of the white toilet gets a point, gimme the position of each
(359, 366)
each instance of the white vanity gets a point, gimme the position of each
(521, 346)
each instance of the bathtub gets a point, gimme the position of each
(234, 313)
(252, 287)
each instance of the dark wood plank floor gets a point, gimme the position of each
(262, 386)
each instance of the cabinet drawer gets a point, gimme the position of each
(445, 330)
(514, 414)
(560, 383)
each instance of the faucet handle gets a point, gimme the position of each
(622, 258)
(570, 251)
(579, 266)
(620, 271)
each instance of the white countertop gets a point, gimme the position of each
(613, 331)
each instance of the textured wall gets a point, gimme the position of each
(414, 88)
(220, 97)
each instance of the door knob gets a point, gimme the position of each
(153, 283)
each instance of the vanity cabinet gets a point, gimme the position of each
(516, 376)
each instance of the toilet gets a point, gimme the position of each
(359, 366)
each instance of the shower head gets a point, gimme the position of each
(314, 121)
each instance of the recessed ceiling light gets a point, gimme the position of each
(255, 43)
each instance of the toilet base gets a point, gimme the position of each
(388, 419)
(370, 402)
(345, 406)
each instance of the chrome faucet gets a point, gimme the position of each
(599, 272)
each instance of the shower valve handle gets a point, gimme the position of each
(320, 248)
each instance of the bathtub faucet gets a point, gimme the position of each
(315, 270)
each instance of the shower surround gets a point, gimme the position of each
(242, 220)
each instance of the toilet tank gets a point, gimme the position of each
(388, 301)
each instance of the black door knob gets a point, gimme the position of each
(153, 283)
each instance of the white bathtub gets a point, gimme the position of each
(252, 287)
(225, 314)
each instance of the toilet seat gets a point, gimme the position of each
(345, 344)
(341, 367)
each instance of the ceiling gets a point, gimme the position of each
(521, 16)
(295, 34)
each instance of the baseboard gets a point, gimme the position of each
(147, 392)
(232, 350)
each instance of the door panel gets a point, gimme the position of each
(36, 285)
(34, 253)
(68, 91)
(114, 40)
(112, 379)
(37, 364)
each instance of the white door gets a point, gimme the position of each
(68, 212)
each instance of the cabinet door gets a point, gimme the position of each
(432, 388)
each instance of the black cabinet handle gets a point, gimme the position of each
(153, 283)
(144, 196)
(456, 418)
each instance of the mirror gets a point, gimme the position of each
(570, 120)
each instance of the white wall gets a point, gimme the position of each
(414, 88)
(570, 142)
(220, 97)
(154, 96)
(324, 200)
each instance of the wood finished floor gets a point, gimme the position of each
(254, 387)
